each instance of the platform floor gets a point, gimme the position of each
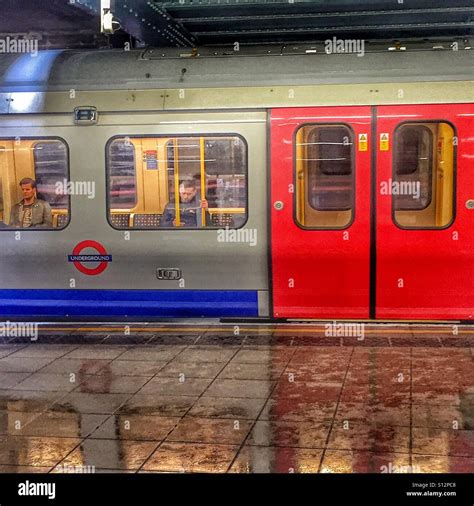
(158, 398)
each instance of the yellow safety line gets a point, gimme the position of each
(231, 326)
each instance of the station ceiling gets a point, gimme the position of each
(198, 23)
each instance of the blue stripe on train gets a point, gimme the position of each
(154, 303)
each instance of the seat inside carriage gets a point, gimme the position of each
(130, 220)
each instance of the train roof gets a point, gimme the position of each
(156, 69)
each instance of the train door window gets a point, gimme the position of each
(44, 161)
(423, 179)
(324, 176)
(182, 182)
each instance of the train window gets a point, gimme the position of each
(224, 156)
(413, 148)
(122, 175)
(51, 168)
(42, 202)
(324, 176)
(423, 175)
(183, 182)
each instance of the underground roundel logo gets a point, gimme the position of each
(80, 261)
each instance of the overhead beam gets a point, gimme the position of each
(147, 21)
(320, 17)
(192, 8)
(360, 32)
(187, 23)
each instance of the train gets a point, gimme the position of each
(260, 184)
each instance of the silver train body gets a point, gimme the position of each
(144, 93)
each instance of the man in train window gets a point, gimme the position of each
(189, 207)
(31, 212)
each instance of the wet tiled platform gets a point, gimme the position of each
(239, 399)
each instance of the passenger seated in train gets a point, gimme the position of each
(31, 211)
(189, 207)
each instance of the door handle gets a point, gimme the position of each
(470, 204)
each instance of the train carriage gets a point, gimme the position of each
(336, 186)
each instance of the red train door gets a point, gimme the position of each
(425, 212)
(320, 201)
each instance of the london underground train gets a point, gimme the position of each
(283, 184)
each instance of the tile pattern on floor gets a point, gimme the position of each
(206, 402)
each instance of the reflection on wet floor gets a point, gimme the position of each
(263, 402)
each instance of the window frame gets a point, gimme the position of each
(68, 159)
(455, 176)
(176, 136)
(353, 178)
